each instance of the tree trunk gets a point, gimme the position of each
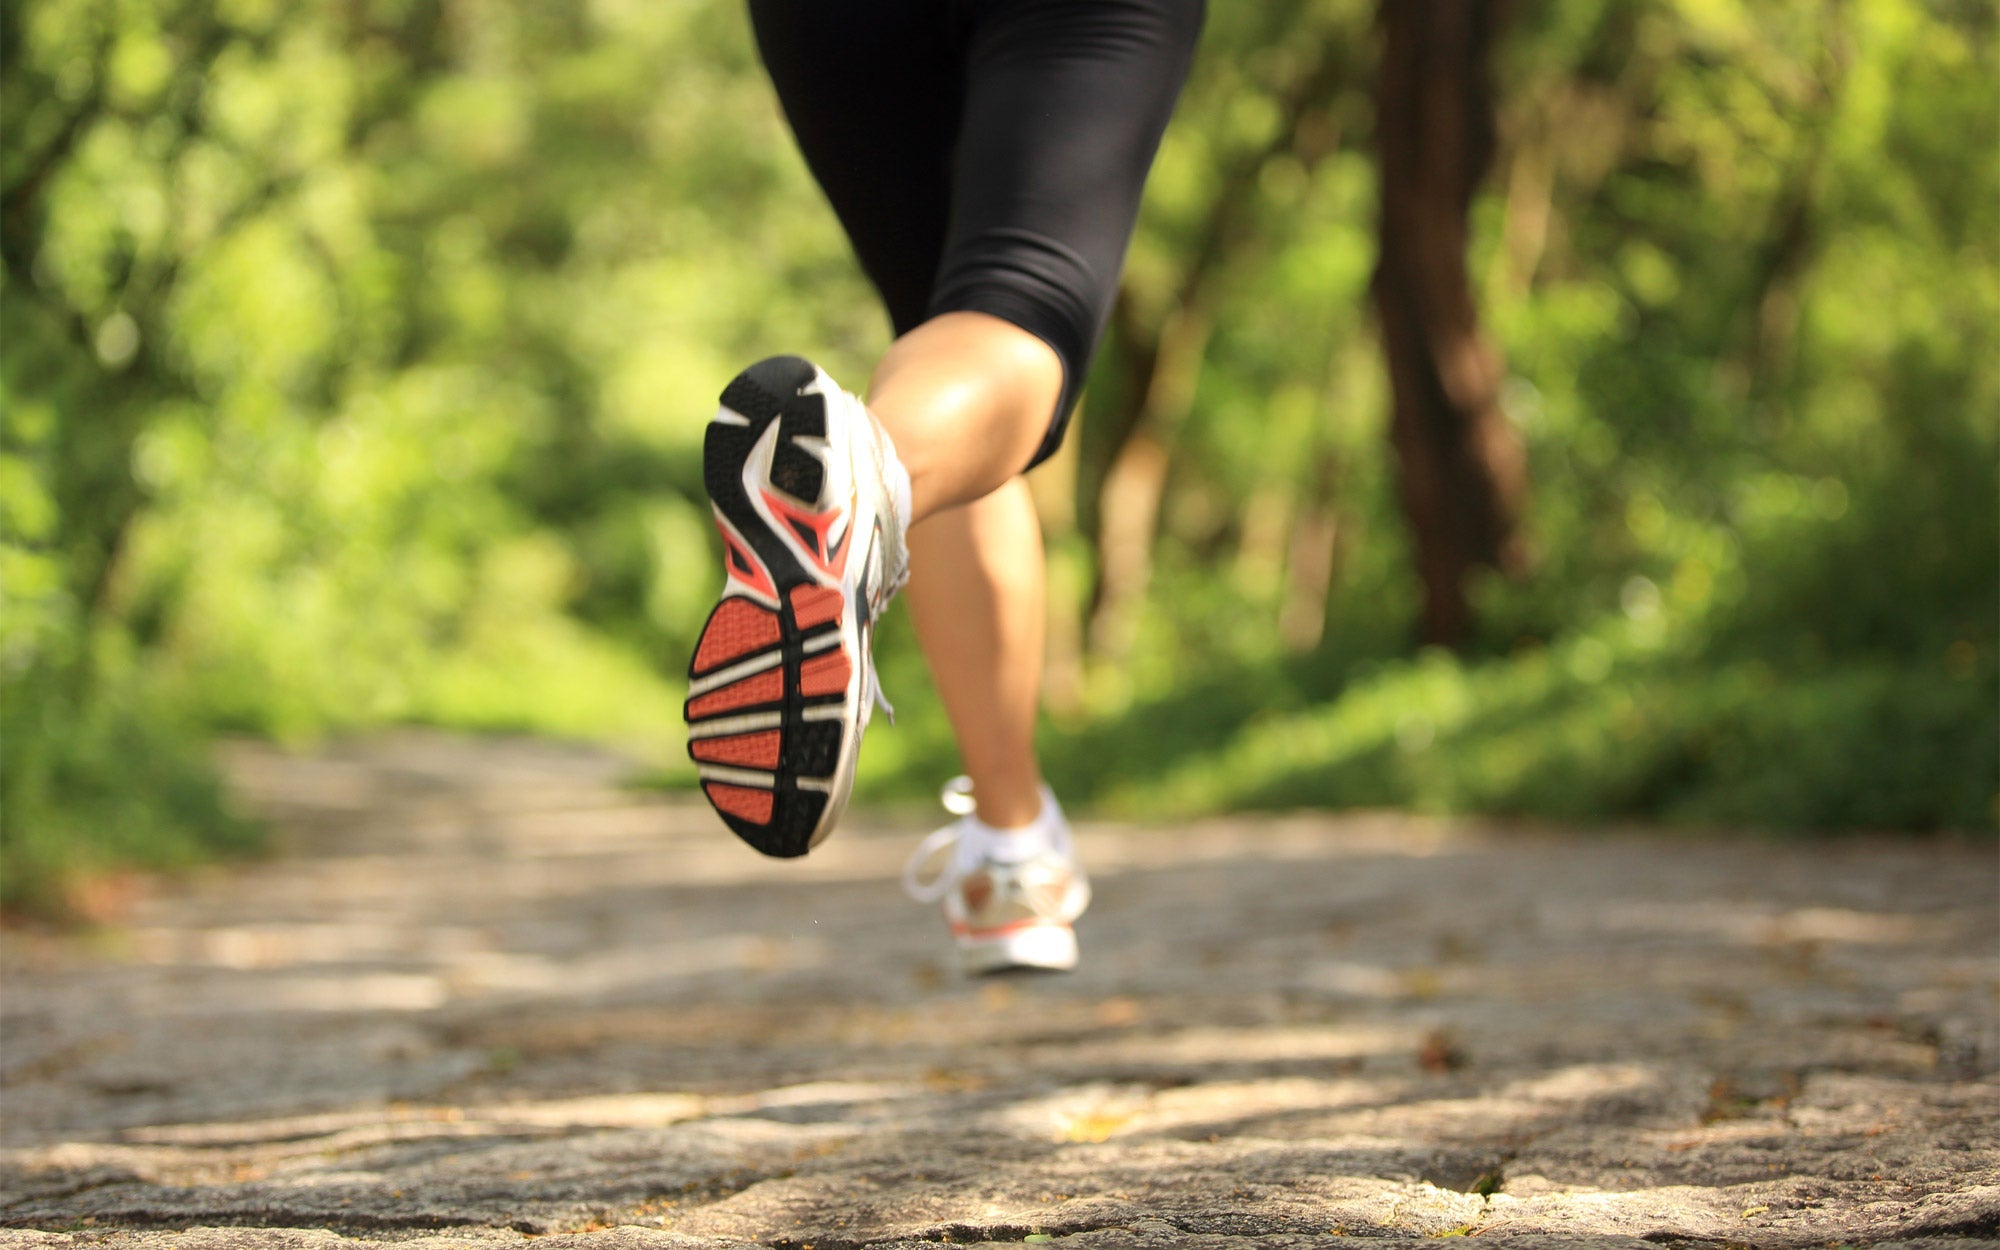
(1463, 470)
(1317, 539)
(1162, 355)
(1136, 481)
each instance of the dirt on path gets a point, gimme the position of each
(486, 995)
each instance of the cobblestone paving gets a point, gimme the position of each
(485, 995)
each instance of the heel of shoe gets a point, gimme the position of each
(1032, 948)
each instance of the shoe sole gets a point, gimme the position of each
(1048, 947)
(774, 683)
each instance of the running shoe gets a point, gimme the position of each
(782, 683)
(1010, 899)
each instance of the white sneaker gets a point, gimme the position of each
(1010, 898)
(812, 504)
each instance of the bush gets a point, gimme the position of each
(93, 788)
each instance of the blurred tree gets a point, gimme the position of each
(1160, 333)
(1463, 470)
(354, 356)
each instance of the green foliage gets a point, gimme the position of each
(406, 299)
(1742, 263)
(1596, 731)
(98, 786)
(353, 359)
(347, 352)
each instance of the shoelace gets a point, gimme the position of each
(888, 568)
(886, 584)
(895, 554)
(876, 697)
(957, 799)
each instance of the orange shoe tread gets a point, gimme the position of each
(738, 628)
(742, 802)
(815, 605)
(764, 687)
(754, 750)
(825, 674)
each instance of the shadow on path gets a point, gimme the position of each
(489, 993)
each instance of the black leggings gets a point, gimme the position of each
(984, 155)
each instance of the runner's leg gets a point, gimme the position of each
(967, 397)
(1056, 108)
(976, 598)
(992, 152)
(1065, 105)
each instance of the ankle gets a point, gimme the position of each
(1008, 811)
(980, 841)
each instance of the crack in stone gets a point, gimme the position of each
(67, 1191)
(339, 1223)
(1259, 1073)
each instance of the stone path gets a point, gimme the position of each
(487, 995)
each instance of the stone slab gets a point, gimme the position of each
(487, 996)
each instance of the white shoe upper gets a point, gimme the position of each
(1010, 896)
(878, 519)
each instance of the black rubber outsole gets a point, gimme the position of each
(765, 392)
